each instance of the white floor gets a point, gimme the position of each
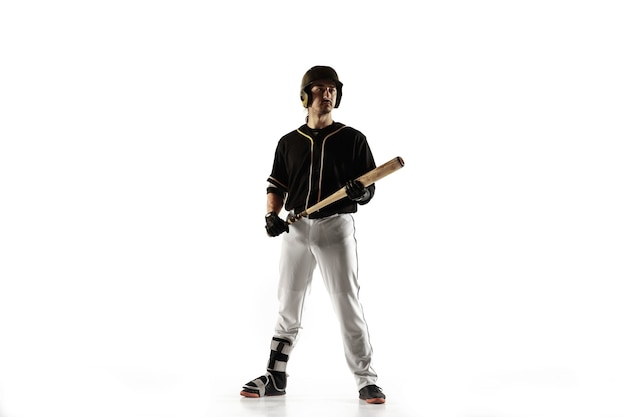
(137, 392)
(307, 406)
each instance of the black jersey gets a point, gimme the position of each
(310, 165)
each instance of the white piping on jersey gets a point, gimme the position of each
(277, 182)
(319, 185)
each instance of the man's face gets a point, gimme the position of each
(324, 96)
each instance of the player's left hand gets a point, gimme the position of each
(355, 190)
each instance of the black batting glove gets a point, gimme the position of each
(274, 225)
(356, 191)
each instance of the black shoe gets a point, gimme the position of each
(270, 384)
(372, 395)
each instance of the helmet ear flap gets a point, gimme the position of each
(304, 97)
(339, 93)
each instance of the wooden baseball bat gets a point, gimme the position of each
(366, 179)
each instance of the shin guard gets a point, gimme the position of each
(279, 355)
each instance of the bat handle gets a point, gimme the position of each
(295, 218)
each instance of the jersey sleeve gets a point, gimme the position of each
(278, 181)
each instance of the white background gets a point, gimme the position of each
(136, 278)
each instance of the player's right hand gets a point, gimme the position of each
(274, 225)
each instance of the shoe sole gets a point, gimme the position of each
(375, 401)
(254, 395)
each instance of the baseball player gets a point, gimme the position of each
(311, 163)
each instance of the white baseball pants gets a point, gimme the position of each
(328, 243)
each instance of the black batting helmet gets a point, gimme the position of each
(319, 73)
